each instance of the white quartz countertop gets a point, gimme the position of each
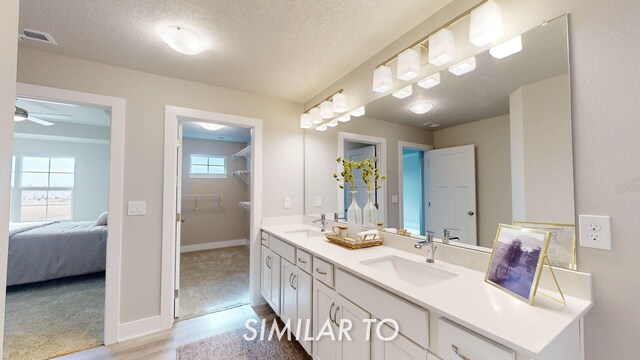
(465, 299)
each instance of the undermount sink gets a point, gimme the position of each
(306, 232)
(419, 274)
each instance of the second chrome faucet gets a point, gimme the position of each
(430, 245)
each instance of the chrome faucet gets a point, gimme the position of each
(431, 248)
(323, 220)
(446, 236)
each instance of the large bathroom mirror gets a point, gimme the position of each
(496, 147)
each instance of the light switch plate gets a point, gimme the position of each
(595, 231)
(136, 208)
(287, 202)
(394, 199)
(318, 201)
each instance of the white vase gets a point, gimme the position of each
(370, 212)
(354, 214)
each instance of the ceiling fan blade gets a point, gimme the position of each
(40, 121)
(48, 102)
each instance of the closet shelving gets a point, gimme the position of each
(245, 204)
(198, 198)
(244, 175)
(244, 153)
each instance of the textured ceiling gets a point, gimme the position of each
(282, 48)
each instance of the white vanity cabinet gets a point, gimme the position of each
(399, 348)
(297, 302)
(456, 342)
(270, 278)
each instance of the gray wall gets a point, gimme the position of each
(606, 132)
(91, 188)
(493, 170)
(208, 223)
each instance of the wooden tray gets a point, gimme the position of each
(352, 244)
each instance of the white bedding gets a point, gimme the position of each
(18, 227)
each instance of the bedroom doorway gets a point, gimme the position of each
(212, 269)
(224, 176)
(62, 276)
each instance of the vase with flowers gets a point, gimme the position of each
(371, 176)
(354, 213)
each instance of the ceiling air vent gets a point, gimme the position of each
(37, 36)
(431, 125)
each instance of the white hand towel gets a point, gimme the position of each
(362, 234)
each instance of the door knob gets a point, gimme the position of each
(182, 220)
(471, 213)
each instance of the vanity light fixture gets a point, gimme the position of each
(305, 121)
(507, 48)
(409, 64)
(421, 107)
(210, 127)
(183, 40)
(382, 79)
(442, 47)
(322, 127)
(333, 123)
(403, 92)
(430, 81)
(485, 24)
(315, 116)
(340, 104)
(358, 112)
(463, 66)
(326, 109)
(344, 118)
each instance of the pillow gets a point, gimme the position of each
(102, 219)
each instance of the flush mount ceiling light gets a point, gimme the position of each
(404, 92)
(322, 127)
(344, 118)
(421, 107)
(442, 47)
(305, 121)
(382, 79)
(183, 40)
(333, 123)
(315, 116)
(20, 114)
(409, 64)
(358, 112)
(507, 48)
(340, 103)
(485, 24)
(430, 81)
(463, 66)
(211, 127)
(326, 109)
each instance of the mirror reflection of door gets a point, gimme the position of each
(413, 190)
(357, 152)
(452, 192)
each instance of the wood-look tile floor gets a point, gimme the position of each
(163, 345)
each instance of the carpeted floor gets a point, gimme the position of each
(213, 280)
(55, 317)
(232, 345)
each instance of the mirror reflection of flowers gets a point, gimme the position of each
(371, 174)
(346, 176)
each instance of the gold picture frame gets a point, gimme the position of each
(562, 245)
(508, 270)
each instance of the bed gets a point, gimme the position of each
(49, 250)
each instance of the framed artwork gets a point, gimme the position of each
(517, 259)
(562, 245)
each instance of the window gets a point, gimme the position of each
(208, 166)
(46, 186)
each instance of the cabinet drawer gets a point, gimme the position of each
(469, 344)
(304, 261)
(413, 321)
(264, 238)
(323, 271)
(287, 251)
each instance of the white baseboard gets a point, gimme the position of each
(138, 328)
(213, 245)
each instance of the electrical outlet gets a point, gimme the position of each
(595, 231)
(318, 201)
(287, 202)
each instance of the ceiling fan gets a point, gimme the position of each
(22, 115)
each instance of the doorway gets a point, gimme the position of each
(413, 187)
(176, 208)
(45, 200)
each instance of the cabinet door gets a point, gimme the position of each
(399, 348)
(289, 310)
(304, 283)
(359, 347)
(265, 275)
(274, 263)
(324, 307)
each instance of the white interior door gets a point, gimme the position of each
(452, 192)
(179, 219)
(360, 154)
